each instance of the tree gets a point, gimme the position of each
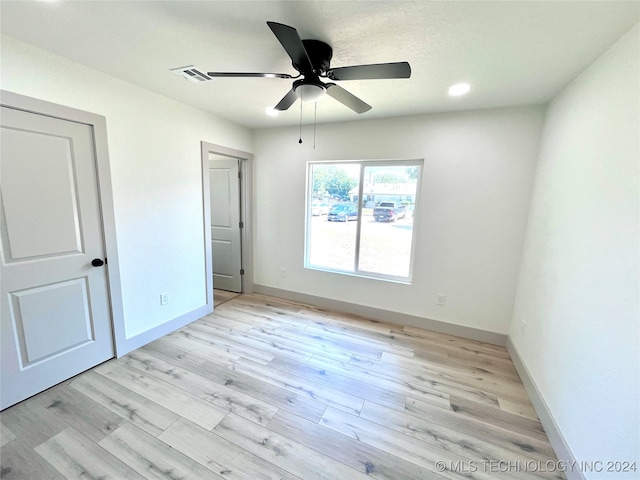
(412, 173)
(333, 181)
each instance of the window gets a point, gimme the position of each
(360, 217)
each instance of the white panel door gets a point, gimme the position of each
(226, 247)
(55, 309)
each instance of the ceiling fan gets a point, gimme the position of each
(311, 58)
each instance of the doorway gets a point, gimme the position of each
(226, 178)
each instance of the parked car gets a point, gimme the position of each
(389, 211)
(342, 213)
(318, 208)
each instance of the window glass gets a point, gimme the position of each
(360, 217)
(329, 245)
(387, 220)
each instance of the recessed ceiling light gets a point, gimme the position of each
(459, 89)
(272, 112)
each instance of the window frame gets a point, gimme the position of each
(363, 165)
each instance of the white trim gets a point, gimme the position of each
(246, 212)
(206, 224)
(556, 438)
(137, 341)
(105, 192)
(387, 316)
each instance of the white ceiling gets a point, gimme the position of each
(513, 53)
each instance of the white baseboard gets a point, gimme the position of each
(557, 440)
(126, 345)
(387, 315)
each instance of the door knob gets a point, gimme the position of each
(97, 262)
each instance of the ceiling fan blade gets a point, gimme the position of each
(347, 99)
(249, 74)
(288, 100)
(374, 71)
(291, 42)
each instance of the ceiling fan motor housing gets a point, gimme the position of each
(319, 54)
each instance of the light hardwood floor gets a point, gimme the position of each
(269, 389)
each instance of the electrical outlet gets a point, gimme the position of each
(283, 272)
(164, 299)
(441, 298)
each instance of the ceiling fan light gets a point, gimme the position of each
(309, 92)
(459, 89)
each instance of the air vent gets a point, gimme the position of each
(191, 73)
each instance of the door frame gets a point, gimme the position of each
(245, 211)
(105, 192)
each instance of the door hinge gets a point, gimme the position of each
(242, 271)
(240, 175)
(241, 225)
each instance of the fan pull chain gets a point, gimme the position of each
(315, 117)
(300, 141)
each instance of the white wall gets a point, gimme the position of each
(477, 179)
(578, 288)
(154, 150)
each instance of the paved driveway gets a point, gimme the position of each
(385, 247)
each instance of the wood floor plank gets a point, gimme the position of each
(18, 461)
(106, 367)
(225, 323)
(132, 407)
(201, 347)
(358, 455)
(229, 342)
(252, 317)
(278, 397)
(389, 382)
(340, 382)
(486, 382)
(468, 365)
(504, 438)
(195, 342)
(80, 412)
(76, 457)
(522, 407)
(281, 451)
(457, 342)
(304, 336)
(222, 296)
(351, 336)
(398, 444)
(300, 386)
(219, 455)
(495, 416)
(201, 386)
(262, 314)
(152, 458)
(327, 317)
(419, 381)
(6, 435)
(247, 343)
(280, 337)
(31, 422)
(465, 446)
(168, 396)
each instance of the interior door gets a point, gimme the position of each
(226, 246)
(55, 308)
